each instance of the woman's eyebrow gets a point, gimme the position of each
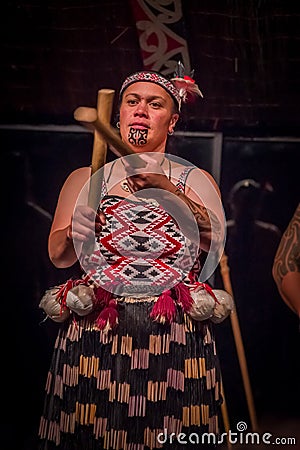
(157, 97)
(149, 98)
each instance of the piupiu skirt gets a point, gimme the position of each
(130, 388)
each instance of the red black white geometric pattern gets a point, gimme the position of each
(141, 249)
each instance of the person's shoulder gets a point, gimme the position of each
(197, 181)
(75, 181)
(191, 170)
(199, 175)
(79, 174)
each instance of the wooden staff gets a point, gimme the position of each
(103, 112)
(90, 118)
(104, 109)
(239, 344)
(225, 415)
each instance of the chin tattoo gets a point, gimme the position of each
(137, 136)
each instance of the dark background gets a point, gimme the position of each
(54, 57)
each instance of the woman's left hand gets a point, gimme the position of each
(150, 176)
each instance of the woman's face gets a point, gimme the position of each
(146, 117)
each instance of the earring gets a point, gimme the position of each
(171, 132)
(118, 124)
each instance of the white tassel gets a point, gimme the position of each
(186, 86)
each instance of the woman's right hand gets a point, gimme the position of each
(85, 224)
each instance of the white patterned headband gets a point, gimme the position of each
(181, 87)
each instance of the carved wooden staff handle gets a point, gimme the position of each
(103, 112)
(99, 121)
(90, 118)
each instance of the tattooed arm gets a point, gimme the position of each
(286, 266)
(202, 196)
(209, 226)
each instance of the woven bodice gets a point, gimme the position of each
(141, 249)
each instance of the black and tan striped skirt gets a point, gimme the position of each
(132, 387)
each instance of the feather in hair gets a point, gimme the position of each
(185, 84)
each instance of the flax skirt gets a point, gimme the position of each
(120, 389)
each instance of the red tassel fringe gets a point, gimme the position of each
(108, 317)
(164, 310)
(102, 297)
(184, 297)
